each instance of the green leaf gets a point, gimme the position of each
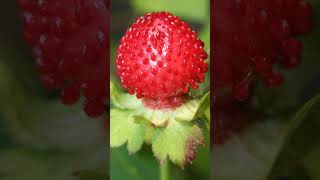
(311, 162)
(186, 112)
(177, 141)
(133, 123)
(127, 128)
(250, 154)
(272, 148)
(183, 8)
(203, 110)
(302, 140)
(202, 164)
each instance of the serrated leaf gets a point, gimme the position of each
(177, 142)
(130, 122)
(186, 112)
(126, 128)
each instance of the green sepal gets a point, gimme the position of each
(187, 112)
(127, 128)
(172, 133)
(177, 141)
(203, 110)
(121, 99)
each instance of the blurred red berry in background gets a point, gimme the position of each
(251, 39)
(70, 43)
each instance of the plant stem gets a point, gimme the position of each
(164, 171)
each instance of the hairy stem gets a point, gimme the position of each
(164, 171)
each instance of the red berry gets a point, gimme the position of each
(274, 79)
(250, 37)
(160, 58)
(68, 38)
(94, 107)
(241, 90)
(70, 94)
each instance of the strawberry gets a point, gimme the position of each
(159, 59)
(68, 38)
(250, 37)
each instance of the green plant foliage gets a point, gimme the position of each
(130, 121)
(297, 150)
(274, 148)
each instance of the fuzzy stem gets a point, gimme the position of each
(164, 170)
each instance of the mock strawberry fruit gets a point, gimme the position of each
(159, 59)
(68, 38)
(250, 37)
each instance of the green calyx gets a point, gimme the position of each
(172, 133)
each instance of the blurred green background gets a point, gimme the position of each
(143, 164)
(39, 137)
